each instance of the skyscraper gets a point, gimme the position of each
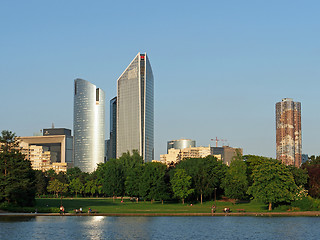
(88, 125)
(135, 114)
(288, 132)
(112, 151)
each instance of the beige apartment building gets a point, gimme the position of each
(40, 158)
(47, 152)
(176, 155)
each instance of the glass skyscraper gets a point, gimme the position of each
(135, 109)
(88, 125)
(112, 151)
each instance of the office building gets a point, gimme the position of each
(112, 142)
(288, 132)
(68, 141)
(180, 144)
(227, 153)
(135, 109)
(53, 150)
(88, 125)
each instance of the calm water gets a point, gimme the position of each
(98, 227)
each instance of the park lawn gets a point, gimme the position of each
(106, 205)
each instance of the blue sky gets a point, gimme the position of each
(219, 66)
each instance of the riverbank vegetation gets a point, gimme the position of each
(255, 180)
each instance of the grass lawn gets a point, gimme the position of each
(106, 205)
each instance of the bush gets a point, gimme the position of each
(17, 209)
(306, 204)
(282, 208)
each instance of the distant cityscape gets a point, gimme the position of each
(132, 128)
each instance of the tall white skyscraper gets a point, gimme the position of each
(88, 125)
(135, 109)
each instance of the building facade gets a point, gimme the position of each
(180, 144)
(135, 109)
(171, 158)
(47, 152)
(88, 125)
(288, 132)
(68, 141)
(176, 155)
(112, 144)
(227, 153)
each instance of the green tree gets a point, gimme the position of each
(133, 180)
(133, 166)
(152, 185)
(17, 178)
(272, 183)
(62, 177)
(91, 187)
(181, 184)
(76, 186)
(73, 173)
(98, 182)
(131, 161)
(235, 183)
(41, 182)
(8, 141)
(51, 174)
(206, 174)
(57, 187)
(112, 176)
(300, 175)
(252, 161)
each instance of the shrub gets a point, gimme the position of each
(17, 209)
(306, 204)
(282, 208)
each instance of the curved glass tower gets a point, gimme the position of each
(180, 144)
(88, 125)
(135, 109)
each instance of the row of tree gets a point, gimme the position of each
(195, 179)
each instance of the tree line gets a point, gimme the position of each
(194, 179)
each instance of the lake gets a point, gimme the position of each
(102, 227)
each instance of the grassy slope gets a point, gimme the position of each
(103, 205)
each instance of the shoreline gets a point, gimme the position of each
(246, 214)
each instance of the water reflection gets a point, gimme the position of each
(131, 227)
(101, 227)
(93, 227)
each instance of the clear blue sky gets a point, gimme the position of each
(219, 66)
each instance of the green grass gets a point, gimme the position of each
(105, 205)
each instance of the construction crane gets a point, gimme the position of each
(216, 139)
